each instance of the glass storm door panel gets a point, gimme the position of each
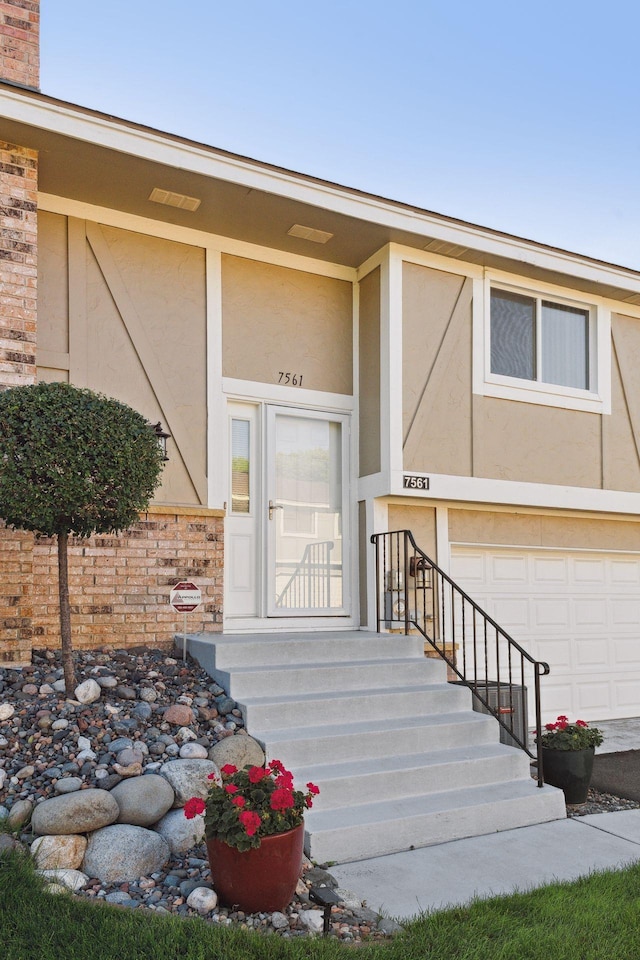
(244, 514)
(306, 513)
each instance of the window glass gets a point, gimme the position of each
(240, 450)
(565, 345)
(513, 345)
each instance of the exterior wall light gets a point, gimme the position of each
(162, 438)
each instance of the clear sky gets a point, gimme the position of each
(522, 117)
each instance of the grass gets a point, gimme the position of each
(596, 918)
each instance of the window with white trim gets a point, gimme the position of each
(542, 346)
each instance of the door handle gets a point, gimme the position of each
(274, 506)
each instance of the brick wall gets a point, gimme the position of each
(18, 264)
(20, 42)
(119, 585)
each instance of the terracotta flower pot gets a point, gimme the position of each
(570, 770)
(259, 880)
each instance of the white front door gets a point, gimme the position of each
(286, 554)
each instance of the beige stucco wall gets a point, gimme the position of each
(369, 370)
(275, 319)
(448, 429)
(436, 359)
(521, 529)
(125, 314)
(421, 521)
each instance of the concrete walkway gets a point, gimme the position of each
(449, 874)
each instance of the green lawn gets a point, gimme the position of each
(597, 918)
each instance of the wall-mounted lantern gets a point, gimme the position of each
(161, 437)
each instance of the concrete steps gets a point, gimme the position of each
(400, 757)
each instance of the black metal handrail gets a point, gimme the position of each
(414, 593)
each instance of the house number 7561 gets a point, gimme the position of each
(295, 379)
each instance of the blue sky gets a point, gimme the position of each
(520, 117)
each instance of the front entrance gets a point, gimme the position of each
(287, 511)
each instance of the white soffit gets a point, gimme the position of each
(177, 200)
(309, 233)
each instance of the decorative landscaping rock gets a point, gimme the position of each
(202, 899)
(240, 751)
(181, 834)
(143, 800)
(193, 751)
(189, 778)
(70, 879)
(123, 852)
(6, 711)
(68, 785)
(20, 813)
(132, 770)
(88, 691)
(78, 812)
(179, 714)
(312, 920)
(57, 852)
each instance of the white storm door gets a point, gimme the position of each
(306, 510)
(243, 522)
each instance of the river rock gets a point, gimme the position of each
(240, 751)
(87, 692)
(122, 852)
(189, 778)
(143, 800)
(20, 813)
(71, 879)
(6, 711)
(193, 751)
(78, 812)
(181, 834)
(57, 852)
(203, 900)
(312, 920)
(179, 714)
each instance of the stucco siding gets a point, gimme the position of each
(278, 320)
(538, 530)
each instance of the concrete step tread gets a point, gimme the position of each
(484, 752)
(383, 726)
(383, 662)
(386, 691)
(414, 807)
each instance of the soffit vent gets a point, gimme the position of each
(177, 200)
(309, 233)
(445, 249)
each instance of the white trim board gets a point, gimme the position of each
(290, 396)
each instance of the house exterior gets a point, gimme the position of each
(329, 365)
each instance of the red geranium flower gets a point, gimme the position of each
(238, 801)
(193, 807)
(256, 774)
(311, 787)
(581, 723)
(228, 770)
(281, 799)
(285, 780)
(250, 821)
(231, 788)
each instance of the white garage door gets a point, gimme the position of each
(580, 612)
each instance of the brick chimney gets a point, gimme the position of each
(20, 42)
(19, 65)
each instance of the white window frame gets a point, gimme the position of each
(596, 399)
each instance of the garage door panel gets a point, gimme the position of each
(592, 699)
(627, 652)
(555, 652)
(625, 571)
(508, 569)
(590, 614)
(578, 611)
(551, 612)
(588, 571)
(627, 695)
(549, 569)
(626, 611)
(511, 614)
(590, 653)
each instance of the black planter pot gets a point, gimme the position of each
(570, 770)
